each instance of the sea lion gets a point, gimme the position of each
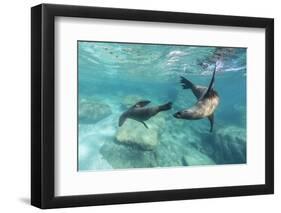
(207, 101)
(141, 113)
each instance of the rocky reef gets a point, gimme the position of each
(134, 133)
(123, 157)
(92, 111)
(164, 144)
(228, 145)
(181, 146)
(240, 112)
(194, 157)
(174, 144)
(134, 145)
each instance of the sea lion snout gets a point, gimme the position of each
(177, 115)
(185, 114)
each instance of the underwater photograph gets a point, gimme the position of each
(160, 105)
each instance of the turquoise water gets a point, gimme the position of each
(114, 76)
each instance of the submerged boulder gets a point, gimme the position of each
(194, 157)
(124, 157)
(134, 133)
(92, 111)
(164, 144)
(229, 145)
(240, 113)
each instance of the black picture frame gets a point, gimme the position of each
(43, 102)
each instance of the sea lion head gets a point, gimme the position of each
(185, 114)
(142, 103)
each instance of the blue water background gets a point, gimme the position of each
(108, 72)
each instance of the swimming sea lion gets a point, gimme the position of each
(141, 113)
(208, 100)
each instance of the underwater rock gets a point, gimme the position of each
(193, 157)
(168, 145)
(229, 145)
(124, 157)
(240, 112)
(130, 100)
(176, 139)
(134, 133)
(92, 111)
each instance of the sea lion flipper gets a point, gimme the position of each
(211, 119)
(186, 84)
(165, 107)
(122, 119)
(144, 124)
(211, 85)
(197, 90)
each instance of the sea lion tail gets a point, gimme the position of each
(166, 106)
(186, 84)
